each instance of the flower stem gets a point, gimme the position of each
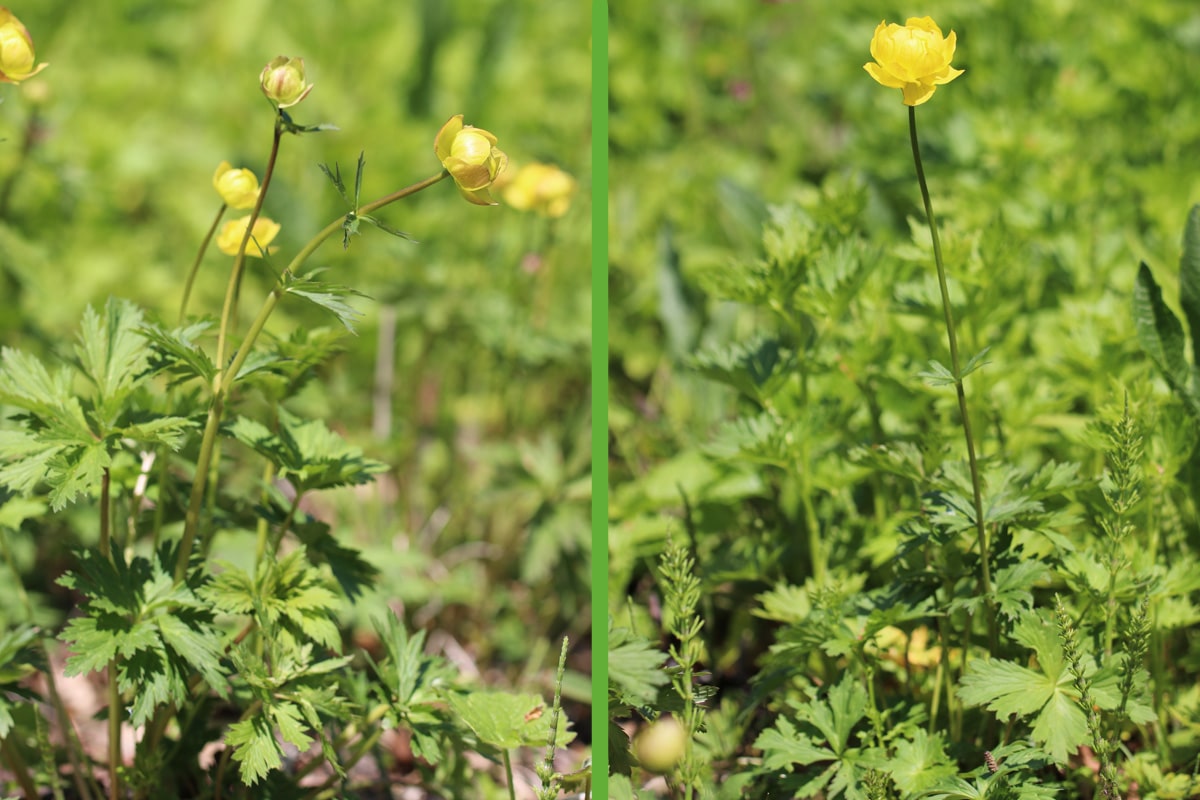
(195, 268)
(235, 275)
(977, 493)
(224, 379)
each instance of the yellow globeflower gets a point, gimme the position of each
(16, 50)
(282, 81)
(237, 187)
(230, 237)
(471, 157)
(915, 58)
(542, 188)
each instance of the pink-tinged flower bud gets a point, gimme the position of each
(283, 82)
(229, 239)
(471, 157)
(237, 187)
(16, 50)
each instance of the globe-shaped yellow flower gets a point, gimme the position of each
(471, 157)
(237, 187)
(914, 57)
(541, 188)
(229, 239)
(16, 50)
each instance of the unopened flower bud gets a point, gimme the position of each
(471, 157)
(237, 187)
(16, 50)
(283, 81)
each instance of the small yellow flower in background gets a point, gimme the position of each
(16, 50)
(542, 188)
(915, 58)
(237, 187)
(230, 237)
(471, 157)
(282, 81)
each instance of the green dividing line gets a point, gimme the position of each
(600, 399)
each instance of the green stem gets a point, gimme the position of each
(19, 768)
(114, 733)
(195, 268)
(226, 377)
(508, 773)
(105, 530)
(976, 490)
(235, 275)
(263, 528)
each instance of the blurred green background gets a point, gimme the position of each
(480, 397)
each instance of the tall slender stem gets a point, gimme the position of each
(195, 268)
(976, 490)
(235, 275)
(225, 377)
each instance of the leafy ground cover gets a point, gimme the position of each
(338, 555)
(806, 599)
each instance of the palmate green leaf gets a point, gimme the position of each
(410, 676)
(27, 460)
(938, 374)
(920, 762)
(77, 471)
(761, 439)
(198, 644)
(784, 603)
(833, 718)
(325, 698)
(1006, 688)
(352, 572)
(328, 296)
(1189, 278)
(18, 661)
(1047, 692)
(177, 352)
(307, 453)
(291, 597)
(506, 720)
(286, 717)
(17, 657)
(1012, 586)
(254, 747)
(27, 384)
(156, 632)
(169, 431)
(783, 746)
(955, 788)
(409, 683)
(634, 666)
(844, 708)
(755, 368)
(112, 354)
